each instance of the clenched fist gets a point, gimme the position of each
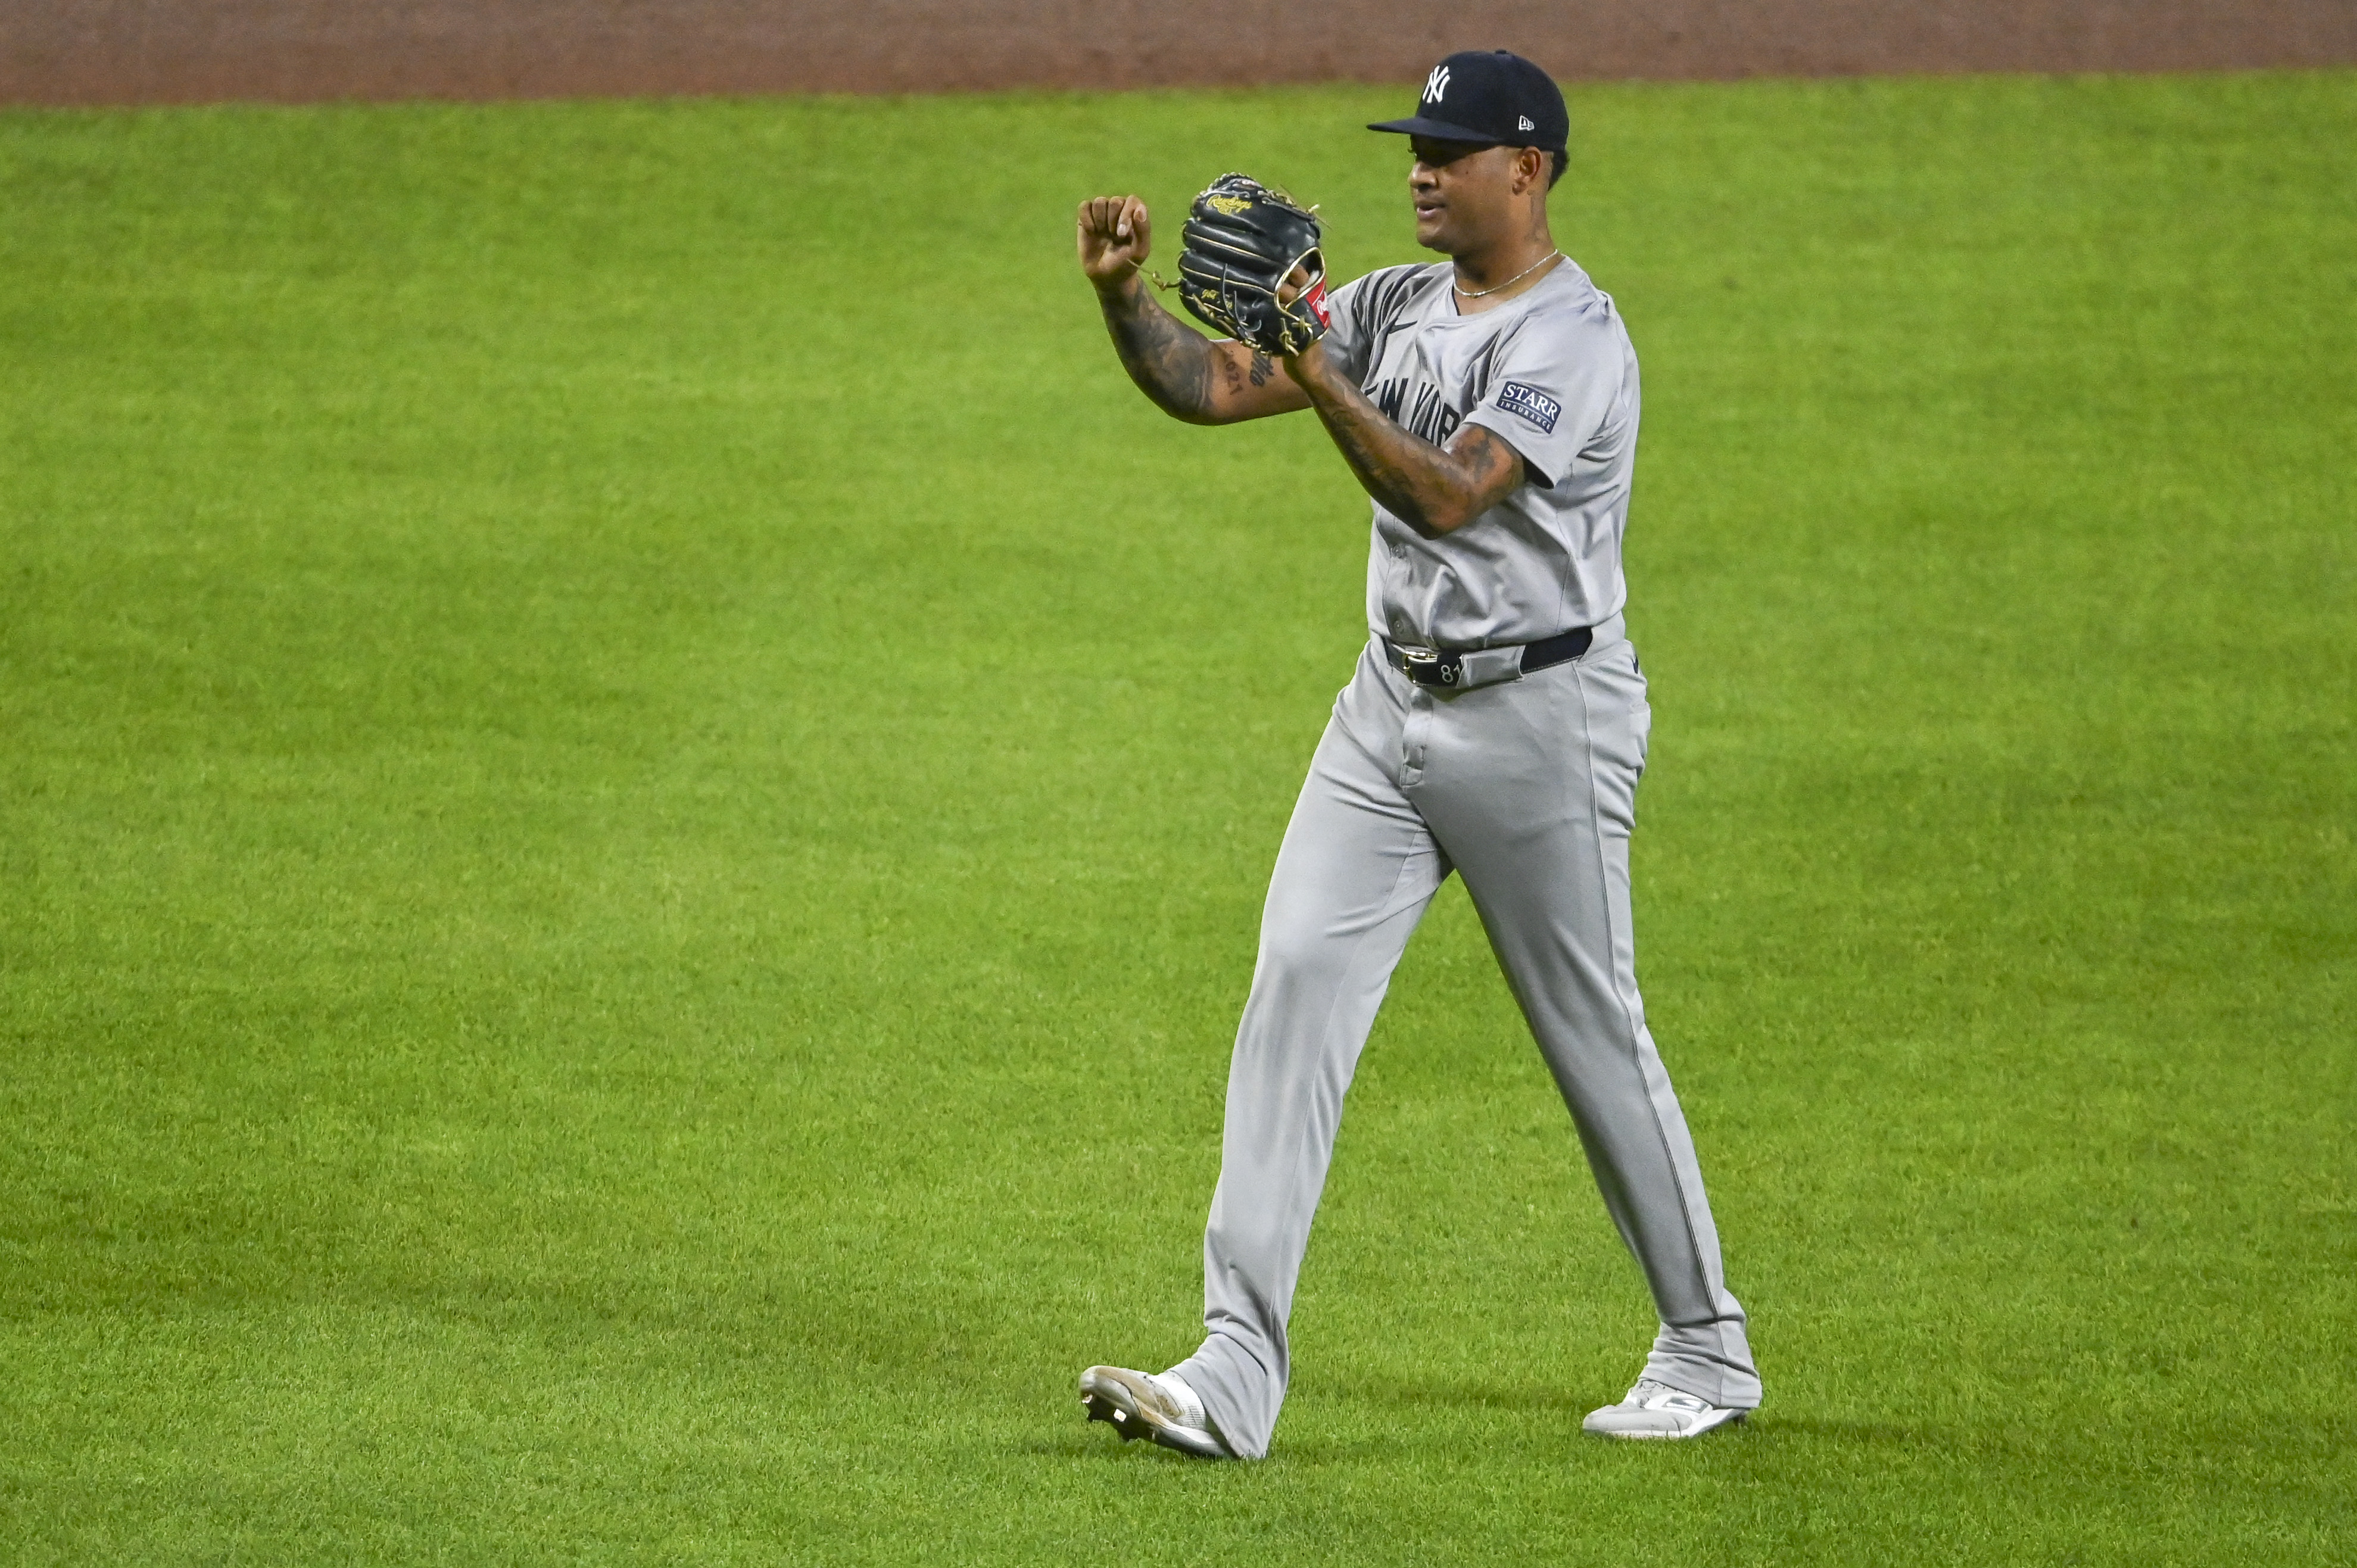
(1116, 235)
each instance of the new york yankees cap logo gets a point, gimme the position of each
(1491, 98)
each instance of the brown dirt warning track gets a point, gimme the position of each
(179, 52)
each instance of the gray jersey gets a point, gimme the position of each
(1552, 373)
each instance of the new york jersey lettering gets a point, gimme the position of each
(1418, 408)
(1551, 374)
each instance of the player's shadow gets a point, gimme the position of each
(1571, 1406)
(1767, 1437)
(1852, 1434)
(1466, 1396)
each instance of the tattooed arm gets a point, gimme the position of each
(1189, 376)
(1431, 488)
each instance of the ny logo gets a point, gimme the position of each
(1436, 84)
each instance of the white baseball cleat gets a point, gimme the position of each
(1156, 1406)
(1657, 1409)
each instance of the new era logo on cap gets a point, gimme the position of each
(1490, 98)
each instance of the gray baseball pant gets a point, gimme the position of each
(1528, 790)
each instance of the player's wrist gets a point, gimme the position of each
(1310, 369)
(1117, 287)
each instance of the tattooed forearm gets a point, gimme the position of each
(1171, 364)
(1189, 376)
(1433, 489)
(1236, 372)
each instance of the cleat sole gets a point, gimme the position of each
(1130, 1424)
(1104, 1410)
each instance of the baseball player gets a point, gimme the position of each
(1495, 727)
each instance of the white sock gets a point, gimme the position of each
(1190, 1403)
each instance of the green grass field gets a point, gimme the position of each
(634, 790)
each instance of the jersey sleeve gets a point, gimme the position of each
(1557, 381)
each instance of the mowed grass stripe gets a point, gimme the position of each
(635, 787)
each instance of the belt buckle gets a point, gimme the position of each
(1431, 666)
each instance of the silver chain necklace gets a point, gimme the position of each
(1464, 293)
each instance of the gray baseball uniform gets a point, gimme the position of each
(1525, 783)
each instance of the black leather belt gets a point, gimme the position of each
(1446, 668)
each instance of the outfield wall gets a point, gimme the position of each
(134, 51)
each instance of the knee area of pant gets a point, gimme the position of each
(1298, 963)
(1249, 1236)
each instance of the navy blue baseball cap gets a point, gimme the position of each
(1489, 97)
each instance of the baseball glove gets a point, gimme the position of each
(1243, 241)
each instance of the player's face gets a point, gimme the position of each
(1463, 193)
